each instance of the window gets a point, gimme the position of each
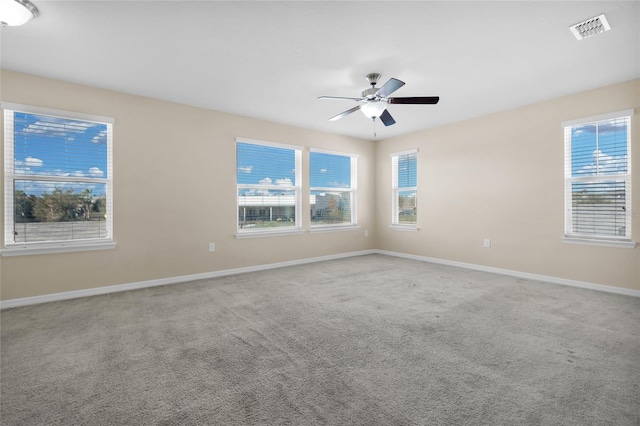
(598, 178)
(58, 175)
(404, 189)
(268, 179)
(333, 189)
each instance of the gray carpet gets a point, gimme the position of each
(372, 340)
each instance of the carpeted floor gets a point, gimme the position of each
(371, 340)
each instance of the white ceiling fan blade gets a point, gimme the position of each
(342, 114)
(339, 98)
(389, 87)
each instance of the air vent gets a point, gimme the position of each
(590, 27)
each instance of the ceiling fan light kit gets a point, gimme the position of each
(374, 101)
(16, 12)
(373, 109)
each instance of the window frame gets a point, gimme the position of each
(570, 235)
(296, 187)
(353, 193)
(396, 189)
(12, 248)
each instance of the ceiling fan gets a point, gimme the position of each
(373, 101)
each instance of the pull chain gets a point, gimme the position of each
(373, 120)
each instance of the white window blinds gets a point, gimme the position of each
(333, 188)
(404, 188)
(268, 186)
(58, 176)
(598, 177)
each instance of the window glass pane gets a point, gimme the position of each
(405, 180)
(331, 195)
(330, 207)
(583, 146)
(269, 210)
(612, 147)
(58, 211)
(59, 188)
(407, 170)
(600, 148)
(53, 146)
(407, 208)
(267, 192)
(329, 170)
(598, 208)
(265, 165)
(599, 185)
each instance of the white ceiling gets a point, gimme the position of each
(271, 60)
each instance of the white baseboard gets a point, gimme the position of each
(25, 301)
(518, 274)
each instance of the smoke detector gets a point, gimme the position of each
(590, 27)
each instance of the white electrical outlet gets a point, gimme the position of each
(487, 243)
(212, 247)
(366, 233)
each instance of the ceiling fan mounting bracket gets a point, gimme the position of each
(373, 78)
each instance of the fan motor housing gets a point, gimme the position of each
(369, 93)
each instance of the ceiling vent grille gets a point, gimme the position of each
(590, 27)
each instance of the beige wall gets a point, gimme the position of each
(498, 177)
(501, 177)
(174, 192)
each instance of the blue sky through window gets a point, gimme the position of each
(261, 165)
(265, 165)
(407, 171)
(329, 170)
(52, 146)
(599, 148)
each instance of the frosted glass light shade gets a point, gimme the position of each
(16, 12)
(373, 109)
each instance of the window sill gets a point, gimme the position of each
(333, 228)
(410, 228)
(596, 242)
(269, 233)
(48, 248)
